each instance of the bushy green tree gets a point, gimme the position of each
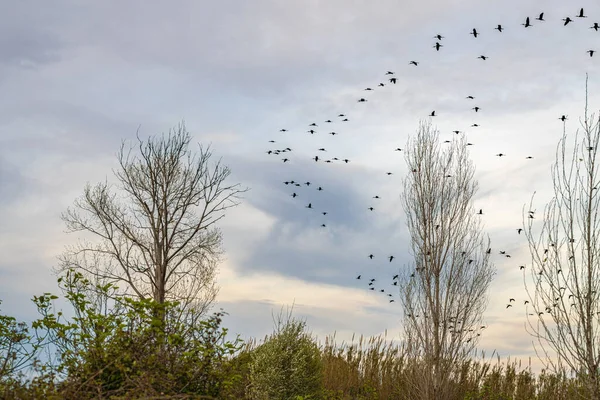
(126, 350)
(287, 366)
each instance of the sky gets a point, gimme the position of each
(77, 78)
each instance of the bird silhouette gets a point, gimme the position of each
(370, 208)
(361, 100)
(470, 97)
(581, 15)
(437, 46)
(499, 28)
(591, 52)
(358, 277)
(415, 63)
(309, 205)
(474, 32)
(391, 258)
(541, 17)
(563, 118)
(283, 130)
(476, 109)
(483, 57)
(393, 80)
(519, 230)
(500, 155)
(371, 256)
(389, 73)
(526, 24)
(480, 212)
(294, 195)
(432, 114)
(313, 124)
(567, 20)
(595, 26)
(438, 37)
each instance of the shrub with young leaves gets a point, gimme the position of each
(135, 348)
(287, 366)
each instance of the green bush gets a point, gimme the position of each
(287, 366)
(135, 349)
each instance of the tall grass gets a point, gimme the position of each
(375, 368)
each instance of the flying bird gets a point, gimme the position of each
(437, 46)
(416, 63)
(393, 80)
(567, 20)
(595, 27)
(483, 57)
(389, 73)
(541, 17)
(526, 24)
(563, 118)
(499, 28)
(476, 108)
(470, 97)
(391, 258)
(581, 14)
(474, 32)
(361, 100)
(591, 52)
(432, 114)
(438, 37)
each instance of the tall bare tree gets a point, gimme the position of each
(445, 295)
(155, 233)
(564, 283)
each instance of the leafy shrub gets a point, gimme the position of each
(287, 366)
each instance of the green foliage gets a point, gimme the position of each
(16, 346)
(287, 366)
(137, 348)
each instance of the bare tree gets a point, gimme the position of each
(446, 294)
(564, 285)
(157, 232)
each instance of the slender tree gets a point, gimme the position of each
(445, 295)
(155, 233)
(564, 281)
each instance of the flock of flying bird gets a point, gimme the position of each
(391, 79)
